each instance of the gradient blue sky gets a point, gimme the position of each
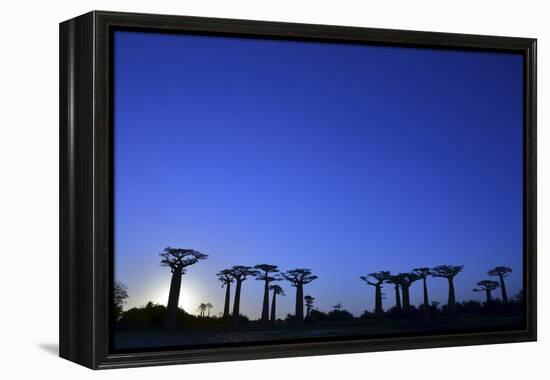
(345, 159)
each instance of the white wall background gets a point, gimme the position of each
(29, 186)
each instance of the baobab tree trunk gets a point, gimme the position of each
(406, 298)
(397, 298)
(503, 289)
(273, 305)
(173, 300)
(265, 308)
(299, 302)
(227, 295)
(237, 301)
(378, 301)
(487, 296)
(426, 301)
(451, 306)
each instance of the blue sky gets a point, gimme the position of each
(346, 159)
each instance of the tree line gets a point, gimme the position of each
(178, 260)
(403, 281)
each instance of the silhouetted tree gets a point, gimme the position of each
(209, 306)
(202, 309)
(376, 280)
(277, 290)
(240, 273)
(309, 304)
(406, 280)
(177, 259)
(226, 278)
(502, 273)
(298, 278)
(340, 315)
(337, 307)
(120, 293)
(423, 273)
(449, 272)
(518, 298)
(396, 281)
(486, 286)
(264, 271)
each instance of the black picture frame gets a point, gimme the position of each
(86, 185)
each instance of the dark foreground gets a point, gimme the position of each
(127, 339)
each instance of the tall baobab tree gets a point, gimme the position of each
(298, 278)
(309, 304)
(264, 271)
(226, 278)
(277, 291)
(502, 273)
(202, 309)
(449, 272)
(406, 280)
(486, 286)
(396, 281)
(377, 279)
(240, 273)
(208, 307)
(177, 259)
(423, 273)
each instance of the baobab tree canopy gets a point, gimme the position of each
(500, 271)
(376, 278)
(225, 276)
(406, 279)
(277, 289)
(242, 272)
(422, 272)
(264, 270)
(179, 258)
(299, 276)
(486, 285)
(446, 271)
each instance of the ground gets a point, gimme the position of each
(127, 339)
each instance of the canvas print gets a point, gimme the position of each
(271, 190)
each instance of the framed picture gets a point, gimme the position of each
(236, 189)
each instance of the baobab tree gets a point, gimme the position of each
(337, 307)
(202, 309)
(423, 273)
(177, 259)
(264, 271)
(209, 306)
(449, 272)
(486, 286)
(396, 281)
(226, 278)
(406, 280)
(240, 273)
(502, 273)
(377, 279)
(277, 291)
(298, 278)
(309, 304)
